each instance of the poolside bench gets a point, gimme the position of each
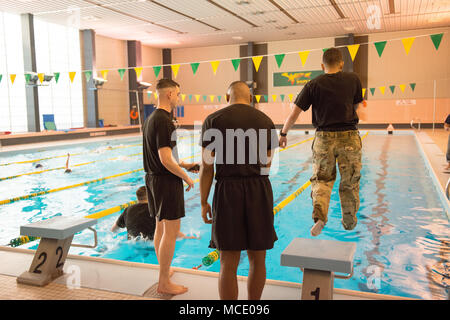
(319, 260)
(56, 238)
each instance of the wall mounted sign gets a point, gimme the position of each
(295, 78)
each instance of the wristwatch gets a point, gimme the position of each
(283, 134)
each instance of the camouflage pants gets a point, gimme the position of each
(345, 148)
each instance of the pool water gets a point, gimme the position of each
(402, 232)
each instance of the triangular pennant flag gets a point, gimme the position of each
(274, 98)
(392, 89)
(41, 77)
(149, 94)
(212, 97)
(190, 97)
(437, 38)
(258, 98)
(197, 97)
(56, 76)
(105, 73)
(402, 87)
(219, 98)
(183, 96)
(380, 47)
(382, 89)
(325, 49)
(257, 62)
(364, 92)
(156, 71)
(353, 50)
(205, 97)
(413, 86)
(121, 73)
(279, 58)
(72, 75)
(27, 77)
(12, 77)
(215, 65)
(282, 97)
(194, 67)
(266, 98)
(372, 90)
(1, 76)
(138, 71)
(303, 56)
(175, 68)
(407, 43)
(88, 75)
(291, 96)
(236, 63)
(156, 95)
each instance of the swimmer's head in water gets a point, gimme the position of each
(38, 165)
(68, 171)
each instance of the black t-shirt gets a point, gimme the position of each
(333, 98)
(158, 132)
(239, 122)
(447, 121)
(137, 220)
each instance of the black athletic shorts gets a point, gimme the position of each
(165, 195)
(243, 214)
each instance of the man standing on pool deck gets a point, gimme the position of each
(334, 97)
(164, 180)
(242, 213)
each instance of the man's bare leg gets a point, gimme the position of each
(228, 287)
(159, 230)
(257, 273)
(166, 249)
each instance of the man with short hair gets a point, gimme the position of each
(164, 180)
(335, 97)
(136, 218)
(243, 140)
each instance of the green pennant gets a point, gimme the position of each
(266, 97)
(194, 67)
(372, 90)
(56, 76)
(149, 94)
(413, 86)
(88, 75)
(1, 76)
(380, 47)
(325, 49)
(279, 58)
(204, 98)
(219, 98)
(282, 97)
(437, 38)
(392, 89)
(121, 73)
(190, 97)
(156, 71)
(236, 63)
(27, 77)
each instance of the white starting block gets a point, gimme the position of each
(319, 260)
(56, 238)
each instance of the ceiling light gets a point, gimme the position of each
(242, 2)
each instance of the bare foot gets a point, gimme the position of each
(171, 288)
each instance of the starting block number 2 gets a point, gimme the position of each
(43, 255)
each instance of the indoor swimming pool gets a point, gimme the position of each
(402, 233)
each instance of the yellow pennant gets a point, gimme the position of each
(72, 75)
(197, 97)
(105, 73)
(303, 56)
(258, 97)
(291, 96)
(382, 89)
(175, 68)
(215, 65)
(257, 62)
(407, 43)
(363, 92)
(12, 77)
(402, 87)
(155, 95)
(353, 50)
(41, 77)
(138, 71)
(212, 97)
(183, 96)
(274, 98)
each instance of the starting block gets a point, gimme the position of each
(319, 260)
(56, 238)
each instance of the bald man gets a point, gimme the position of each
(240, 139)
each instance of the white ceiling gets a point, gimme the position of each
(195, 23)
